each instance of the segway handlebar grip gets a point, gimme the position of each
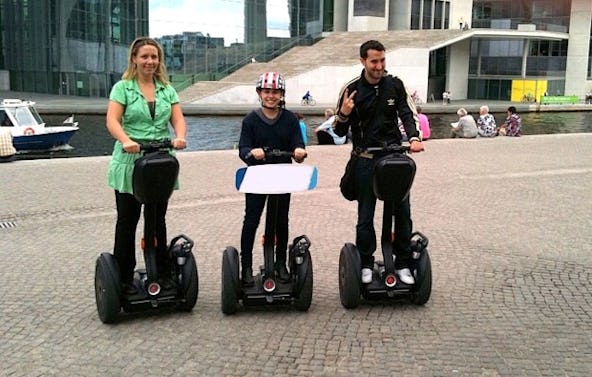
(156, 145)
(395, 148)
(270, 153)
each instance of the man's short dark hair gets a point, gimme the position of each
(370, 45)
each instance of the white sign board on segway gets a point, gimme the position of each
(276, 178)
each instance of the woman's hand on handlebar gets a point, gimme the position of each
(131, 147)
(179, 143)
(299, 154)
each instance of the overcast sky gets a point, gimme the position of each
(220, 18)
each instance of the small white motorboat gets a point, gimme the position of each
(28, 130)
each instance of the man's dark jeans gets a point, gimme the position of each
(365, 233)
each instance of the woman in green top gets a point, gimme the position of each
(141, 105)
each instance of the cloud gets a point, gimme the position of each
(219, 18)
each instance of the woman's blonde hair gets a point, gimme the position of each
(131, 72)
(462, 112)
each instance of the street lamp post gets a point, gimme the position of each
(206, 59)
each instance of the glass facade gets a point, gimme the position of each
(75, 47)
(550, 15)
(495, 64)
(430, 14)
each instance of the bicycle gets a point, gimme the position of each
(308, 101)
(528, 98)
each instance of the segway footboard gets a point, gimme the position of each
(183, 294)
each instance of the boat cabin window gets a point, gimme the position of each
(4, 119)
(25, 117)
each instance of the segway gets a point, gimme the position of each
(154, 178)
(272, 179)
(393, 177)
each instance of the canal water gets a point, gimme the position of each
(222, 132)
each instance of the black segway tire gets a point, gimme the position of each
(304, 272)
(230, 280)
(423, 280)
(190, 284)
(107, 288)
(349, 276)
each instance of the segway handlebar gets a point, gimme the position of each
(156, 145)
(274, 153)
(393, 148)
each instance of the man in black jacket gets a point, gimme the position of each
(370, 105)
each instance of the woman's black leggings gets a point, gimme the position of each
(128, 215)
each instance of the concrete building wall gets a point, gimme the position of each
(578, 49)
(458, 69)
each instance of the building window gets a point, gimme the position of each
(551, 15)
(372, 8)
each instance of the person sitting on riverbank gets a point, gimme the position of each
(465, 127)
(486, 126)
(303, 127)
(325, 133)
(513, 124)
(424, 124)
(7, 150)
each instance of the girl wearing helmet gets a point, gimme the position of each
(269, 127)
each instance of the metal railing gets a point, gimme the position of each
(261, 52)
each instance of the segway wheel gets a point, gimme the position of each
(349, 276)
(302, 302)
(190, 284)
(107, 288)
(423, 280)
(230, 280)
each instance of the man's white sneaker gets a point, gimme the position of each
(405, 276)
(366, 275)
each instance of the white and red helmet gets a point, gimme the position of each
(271, 80)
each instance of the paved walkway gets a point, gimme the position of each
(509, 225)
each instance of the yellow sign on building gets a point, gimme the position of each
(528, 90)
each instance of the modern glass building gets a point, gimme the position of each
(74, 47)
(513, 49)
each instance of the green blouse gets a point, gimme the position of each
(139, 126)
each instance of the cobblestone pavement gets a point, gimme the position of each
(509, 224)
